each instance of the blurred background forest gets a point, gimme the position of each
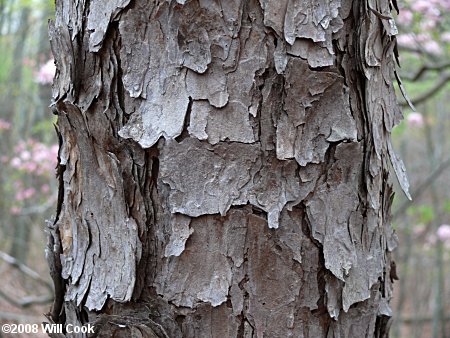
(28, 151)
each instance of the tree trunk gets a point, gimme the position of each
(224, 168)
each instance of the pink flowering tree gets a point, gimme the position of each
(28, 155)
(422, 224)
(4, 125)
(424, 42)
(443, 234)
(34, 165)
(30, 191)
(44, 75)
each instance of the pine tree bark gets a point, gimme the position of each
(224, 167)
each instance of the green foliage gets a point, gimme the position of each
(5, 61)
(45, 126)
(447, 206)
(424, 214)
(400, 129)
(37, 5)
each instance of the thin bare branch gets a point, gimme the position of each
(426, 68)
(16, 317)
(39, 209)
(416, 49)
(27, 301)
(25, 269)
(431, 92)
(418, 320)
(421, 188)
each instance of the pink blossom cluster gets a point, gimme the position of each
(415, 120)
(34, 157)
(29, 62)
(429, 7)
(443, 233)
(405, 17)
(37, 161)
(22, 194)
(46, 73)
(4, 125)
(420, 41)
(423, 16)
(430, 10)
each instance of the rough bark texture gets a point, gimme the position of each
(224, 167)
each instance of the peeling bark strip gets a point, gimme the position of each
(225, 167)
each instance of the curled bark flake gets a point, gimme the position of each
(215, 125)
(89, 237)
(307, 27)
(162, 84)
(333, 289)
(136, 55)
(400, 170)
(274, 14)
(335, 222)
(63, 50)
(186, 283)
(211, 86)
(316, 53)
(381, 104)
(209, 180)
(71, 13)
(194, 42)
(403, 91)
(307, 127)
(180, 234)
(101, 14)
(309, 19)
(232, 122)
(193, 37)
(205, 180)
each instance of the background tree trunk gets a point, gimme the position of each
(21, 230)
(224, 167)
